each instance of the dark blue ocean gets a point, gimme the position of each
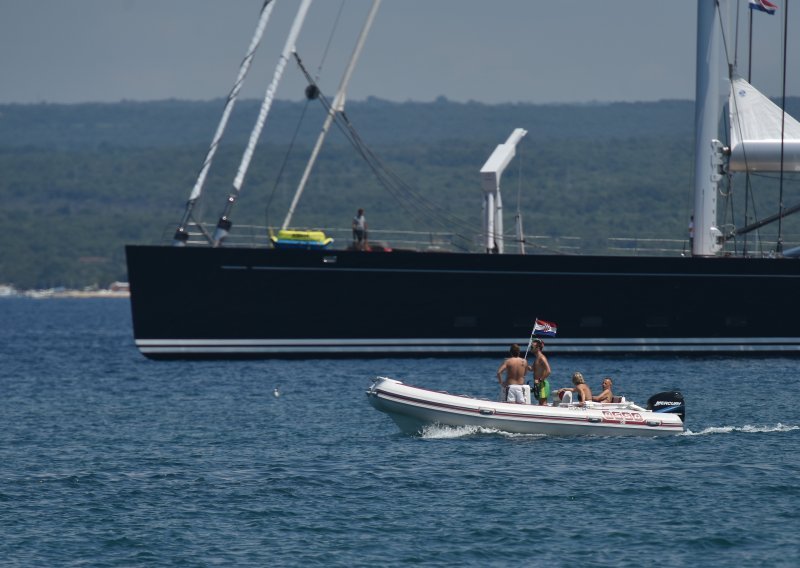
(108, 459)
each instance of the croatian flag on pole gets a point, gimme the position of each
(542, 327)
(763, 6)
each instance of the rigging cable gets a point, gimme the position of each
(520, 232)
(285, 161)
(311, 94)
(749, 195)
(431, 212)
(330, 39)
(224, 224)
(731, 66)
(779, 244)
(181, 236)
(782, 211)
(732, 234)
(736, 38)
(415, 204)
(338, 105)
(398, 188)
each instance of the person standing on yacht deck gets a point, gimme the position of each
(514, 367)
(360, 231)
(541, 370)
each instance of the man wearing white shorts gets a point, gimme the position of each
(514, 367)
(515, 394)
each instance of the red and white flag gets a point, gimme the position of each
(763, 6)
(542, 327)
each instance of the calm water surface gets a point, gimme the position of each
(108, 459)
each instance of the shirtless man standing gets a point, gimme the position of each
(514, 367)
(541, 370)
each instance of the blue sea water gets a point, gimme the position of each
(109, 459)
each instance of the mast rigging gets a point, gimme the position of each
(181, 236)
(224, 224)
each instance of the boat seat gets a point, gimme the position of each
(616, 399)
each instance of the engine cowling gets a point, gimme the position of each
(668, 401)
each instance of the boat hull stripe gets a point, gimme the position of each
(527, 273)
(461, 345)
(429, 404)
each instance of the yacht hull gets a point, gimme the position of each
(202, 302)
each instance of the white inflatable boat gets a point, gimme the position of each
(414, 408)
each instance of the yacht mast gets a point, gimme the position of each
(708, 159)
(224, 224)
(181, 236)
(337, 106)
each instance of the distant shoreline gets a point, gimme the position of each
(117, 290)
(96, 294)
(72, 294)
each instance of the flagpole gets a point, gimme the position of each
(531, 338)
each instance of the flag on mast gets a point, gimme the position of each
(542, 327)
(763, 6)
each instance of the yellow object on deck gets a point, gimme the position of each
(301, 239)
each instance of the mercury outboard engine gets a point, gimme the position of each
(669, 401)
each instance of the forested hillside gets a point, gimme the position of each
(78, 182)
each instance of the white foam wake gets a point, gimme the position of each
(439, 432)
(747, 429)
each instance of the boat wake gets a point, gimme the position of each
(441, 432)
(747, 429)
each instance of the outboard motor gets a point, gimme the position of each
(669, 401)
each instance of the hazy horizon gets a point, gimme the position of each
(505, 52)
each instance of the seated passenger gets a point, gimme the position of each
(606, 395)
(581, 392)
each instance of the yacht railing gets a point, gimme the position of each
(256, 236)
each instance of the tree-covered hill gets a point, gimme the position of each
(78, 182)
(179, 123)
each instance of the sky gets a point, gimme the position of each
(490, 51)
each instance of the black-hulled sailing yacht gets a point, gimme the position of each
(209, 298)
